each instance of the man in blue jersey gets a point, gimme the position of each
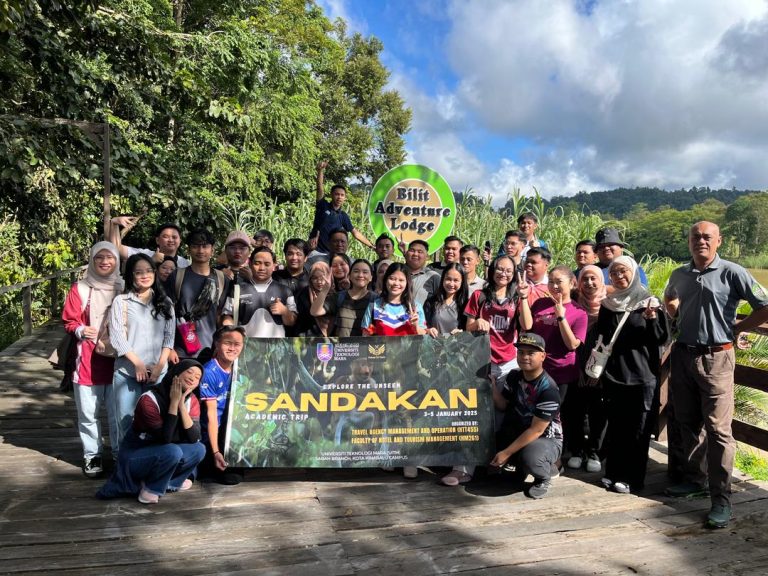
(215, 387)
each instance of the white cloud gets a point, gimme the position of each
(646, 93)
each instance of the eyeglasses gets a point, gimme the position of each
(505, 271)
(148, 272)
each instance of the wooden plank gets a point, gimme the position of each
(749, 434)
(751, 377)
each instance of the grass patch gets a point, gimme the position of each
(751, 464)
(760, 274)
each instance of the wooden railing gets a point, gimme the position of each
(747, 376)
(53, 293)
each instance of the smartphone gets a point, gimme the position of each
(488, 245)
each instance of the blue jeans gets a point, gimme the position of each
(164, 466)
(126, 391)
(160, 468)
(89, 401)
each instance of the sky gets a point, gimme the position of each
(578, 95)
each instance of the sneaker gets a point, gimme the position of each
(539, 488)
(719, 516)
(620, 487)
(687, 490)
(146, 497)
(410, 471)
(593, 463)
(575, 462)
(606, 482)
(92, 467)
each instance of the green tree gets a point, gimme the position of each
(747, 224)
(214, 105)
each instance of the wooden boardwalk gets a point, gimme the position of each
(320, 522)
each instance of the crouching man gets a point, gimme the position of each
(215, 388)
(531, 431)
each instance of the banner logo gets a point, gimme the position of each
(376, 350)
(324, 352)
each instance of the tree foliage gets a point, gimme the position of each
(213, 104)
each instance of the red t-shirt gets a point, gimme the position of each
(501, 317)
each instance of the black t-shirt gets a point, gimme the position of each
(191, 287)
(539, 397)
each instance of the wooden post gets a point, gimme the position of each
(54, 297)
(105, 153)
(26, 309)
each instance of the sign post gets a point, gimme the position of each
(412, 202)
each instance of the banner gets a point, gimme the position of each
(361, 402)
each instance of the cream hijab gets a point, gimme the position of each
(634, 296)
(591, 303)
(102, 288)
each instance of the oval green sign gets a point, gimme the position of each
(413, 202)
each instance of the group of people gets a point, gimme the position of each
(156, 345)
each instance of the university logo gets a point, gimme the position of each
(324, 352)
(376, 350)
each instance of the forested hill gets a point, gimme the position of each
(619, 201)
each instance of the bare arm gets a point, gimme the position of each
(755, 319)
(213, 432)
(534, 431)
(360, 237)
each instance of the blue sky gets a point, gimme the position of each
(570, 95)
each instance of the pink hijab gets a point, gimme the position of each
(591, 303)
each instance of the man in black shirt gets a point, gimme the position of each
(531, 431)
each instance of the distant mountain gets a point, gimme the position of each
(619, 201)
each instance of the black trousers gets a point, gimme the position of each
(630, 424)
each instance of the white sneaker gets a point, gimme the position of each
(575, 462)
(410, 471)
(594, 464)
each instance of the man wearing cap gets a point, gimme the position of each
(703, 295)
(167, 240)
(237, 248)
(329, 216)
(198, 292)
(531, 431)
(609, 246)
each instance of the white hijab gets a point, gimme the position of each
(633, 296)
(103, 289)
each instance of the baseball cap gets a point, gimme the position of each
(532, 340)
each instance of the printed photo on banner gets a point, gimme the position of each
(361, 402)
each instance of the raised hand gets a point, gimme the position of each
(176, 391)
(277, 308)
(523, 288)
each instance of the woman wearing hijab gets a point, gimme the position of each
(162, 449)
(631, 376)
(84, 310)
(320, 287)
(584, 413)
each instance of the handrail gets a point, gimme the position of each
(26, 295)
(35, 281)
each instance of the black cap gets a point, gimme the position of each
(532, 340)
(608, 236)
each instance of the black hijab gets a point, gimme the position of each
(162, 391)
